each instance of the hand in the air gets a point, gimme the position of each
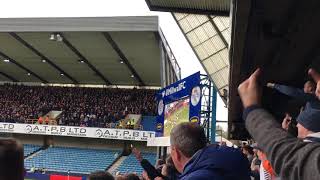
(270, 85)
(137, 154)
(316, 77)
(249, 90)
(286, 121)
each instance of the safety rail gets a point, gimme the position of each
(171, 56)
(36, 121)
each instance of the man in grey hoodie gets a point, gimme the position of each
(290, 157)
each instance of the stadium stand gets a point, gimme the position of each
(30, 149)
(74, 160)
(80, 106)
(131, 164)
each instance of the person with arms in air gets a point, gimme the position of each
(290, 157)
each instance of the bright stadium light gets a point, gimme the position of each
(43, 60)
(121, 62)
(28, 74)
(6, 60)
(132, 76)
(61, 74)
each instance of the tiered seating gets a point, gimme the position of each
(29, 149)
(80, 106)
(74, 160)
(131, 164)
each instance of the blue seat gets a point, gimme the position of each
(29, 149)
(77, 160)
(130, 164)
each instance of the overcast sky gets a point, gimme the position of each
(94, 8)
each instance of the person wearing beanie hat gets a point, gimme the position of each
(309, 125)
(309, 119)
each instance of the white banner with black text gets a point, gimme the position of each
(75, 131)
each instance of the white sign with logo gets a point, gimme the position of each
(173, 90)
(106, 133)
(195, 95)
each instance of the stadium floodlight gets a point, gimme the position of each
(6, 60)
(43, 60)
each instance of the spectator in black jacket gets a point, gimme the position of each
(151, 171)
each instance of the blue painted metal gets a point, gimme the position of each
(213, 114)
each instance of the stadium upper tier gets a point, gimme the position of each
(93, 107)
(74, 160)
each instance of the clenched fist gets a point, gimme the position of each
(270, 85)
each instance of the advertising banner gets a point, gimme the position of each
(40, 176)
(178, 102)
(74, 131)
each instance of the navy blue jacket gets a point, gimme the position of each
(217, 163)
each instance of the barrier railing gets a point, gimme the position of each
(35, 121)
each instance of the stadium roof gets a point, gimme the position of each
(103, 50)
(209, 37)
(212, 7)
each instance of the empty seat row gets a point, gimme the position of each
(28, 149)
(131, 164)
(77, 160)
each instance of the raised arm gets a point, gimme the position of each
(146, 165)
(293, 92)
(290, 157)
